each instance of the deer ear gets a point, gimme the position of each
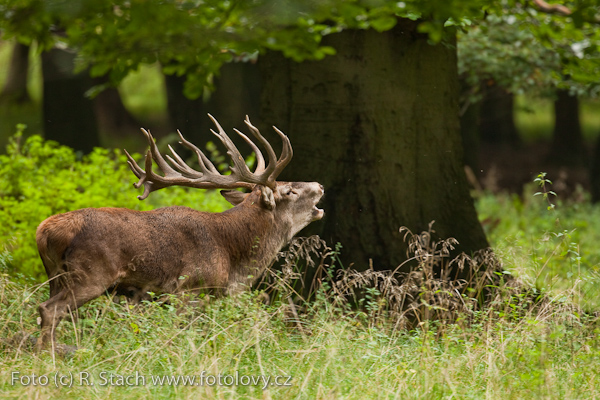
(267, 197)
(235, 197)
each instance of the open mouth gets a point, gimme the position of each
(318, 213)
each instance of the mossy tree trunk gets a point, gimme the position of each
(15, 88)
(377, 124)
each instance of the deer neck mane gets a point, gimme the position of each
(254, 235)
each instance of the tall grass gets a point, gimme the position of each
(520, 343)
(549, 248)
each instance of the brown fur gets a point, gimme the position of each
(91, 251)
(53, 236)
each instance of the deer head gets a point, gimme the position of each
(296, 201)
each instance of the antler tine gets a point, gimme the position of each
(239, 164)
(260, 160)
(137, 170)
(185, 169)
(275, 165)
(160, 161)
(148, 184)
(270, 152)
(178, 163)
(146, 176)
(151, 180)
(205, 164)
(286, 152)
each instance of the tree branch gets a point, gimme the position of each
(552, 8)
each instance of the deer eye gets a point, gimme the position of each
(290, 192)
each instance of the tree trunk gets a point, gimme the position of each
(595, 173)
(377, 124)
(236, 94)
(185, 114)
(68, 114)
(469, 129)
(112, 116)
(15, 88)
(497, 123)
(567, 139)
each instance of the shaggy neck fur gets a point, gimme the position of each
(264, 235)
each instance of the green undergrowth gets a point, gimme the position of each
(551, 243)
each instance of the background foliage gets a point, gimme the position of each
(115, 37)
(527, 51)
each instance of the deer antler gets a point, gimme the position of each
(209, 177)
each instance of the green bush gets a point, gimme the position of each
(42, 178)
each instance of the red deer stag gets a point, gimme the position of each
(91, 251)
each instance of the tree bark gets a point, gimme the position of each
(567, 139)
(68, 114)
(377, 124)
(15, 88)
(496, 120)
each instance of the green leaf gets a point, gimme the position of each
(134, 327)
(383, 23)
